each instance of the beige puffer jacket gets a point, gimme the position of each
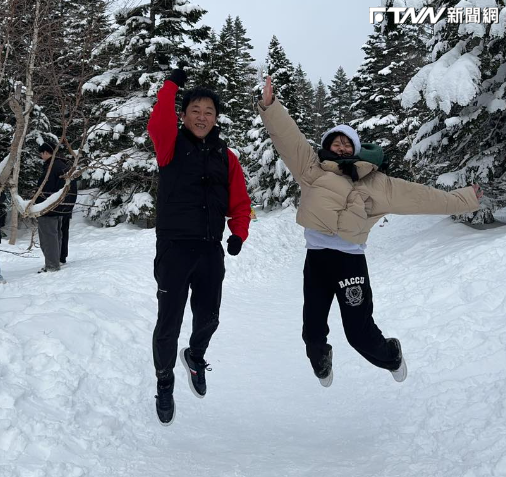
(331, 203)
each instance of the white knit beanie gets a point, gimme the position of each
(349, 132)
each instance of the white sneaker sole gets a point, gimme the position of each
(189, 373)
(166, 424)
(402, 373)
(326, 382)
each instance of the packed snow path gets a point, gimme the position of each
(77, 381)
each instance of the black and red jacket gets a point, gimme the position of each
(201, 181)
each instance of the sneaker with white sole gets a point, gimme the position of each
(196, 372)
(165, 405)
(325, 373)
(401, 373)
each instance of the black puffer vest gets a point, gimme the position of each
(193, 189)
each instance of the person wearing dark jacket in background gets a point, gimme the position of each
(201, 183)
(50, 224)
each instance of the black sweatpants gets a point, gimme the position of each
(329, 273)
(65, 224)
(179, 266)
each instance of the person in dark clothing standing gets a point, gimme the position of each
(50, 224)
(201, 183)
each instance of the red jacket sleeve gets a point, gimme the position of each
(162, 125)
(239, 203)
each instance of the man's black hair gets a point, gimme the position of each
(199, 93)
(46, 147)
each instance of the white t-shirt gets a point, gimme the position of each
(317, 241)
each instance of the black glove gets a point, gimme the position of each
(179, 75)
(234, 244)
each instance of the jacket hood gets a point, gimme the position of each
(349, 132)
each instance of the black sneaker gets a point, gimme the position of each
(324, 371)
(196, 373)
(401, 373)
(165, 405)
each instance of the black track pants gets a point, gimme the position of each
(179, 266)
(329, 273)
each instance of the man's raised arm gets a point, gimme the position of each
(162, 125)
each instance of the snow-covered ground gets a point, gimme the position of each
(77, 382)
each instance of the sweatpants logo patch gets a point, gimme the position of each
(354, 296)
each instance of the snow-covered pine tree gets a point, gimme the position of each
(341, 98)
(78, 28)
(7, 23)
(464, 88)
(68, 33)
(229, 70)
(16, 26)
(322, 112)
(208, 72)
(305, 95)
(244, 76)
(271, 183)
(147, 43)
(227, 74)
(392, 53)
(281, 70)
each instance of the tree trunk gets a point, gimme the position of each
(14, 226)
(25, 120)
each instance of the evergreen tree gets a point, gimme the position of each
(208, 74)
(281, 70)
(392, 53)
(147, 43)
(322, 112)
(15, 26)
(68, 33)
(227, 61)
(341, 98)
(244, 79)
(77, 29)
(271, 183)
(463, 139)
(304, 94)
(228, 70)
